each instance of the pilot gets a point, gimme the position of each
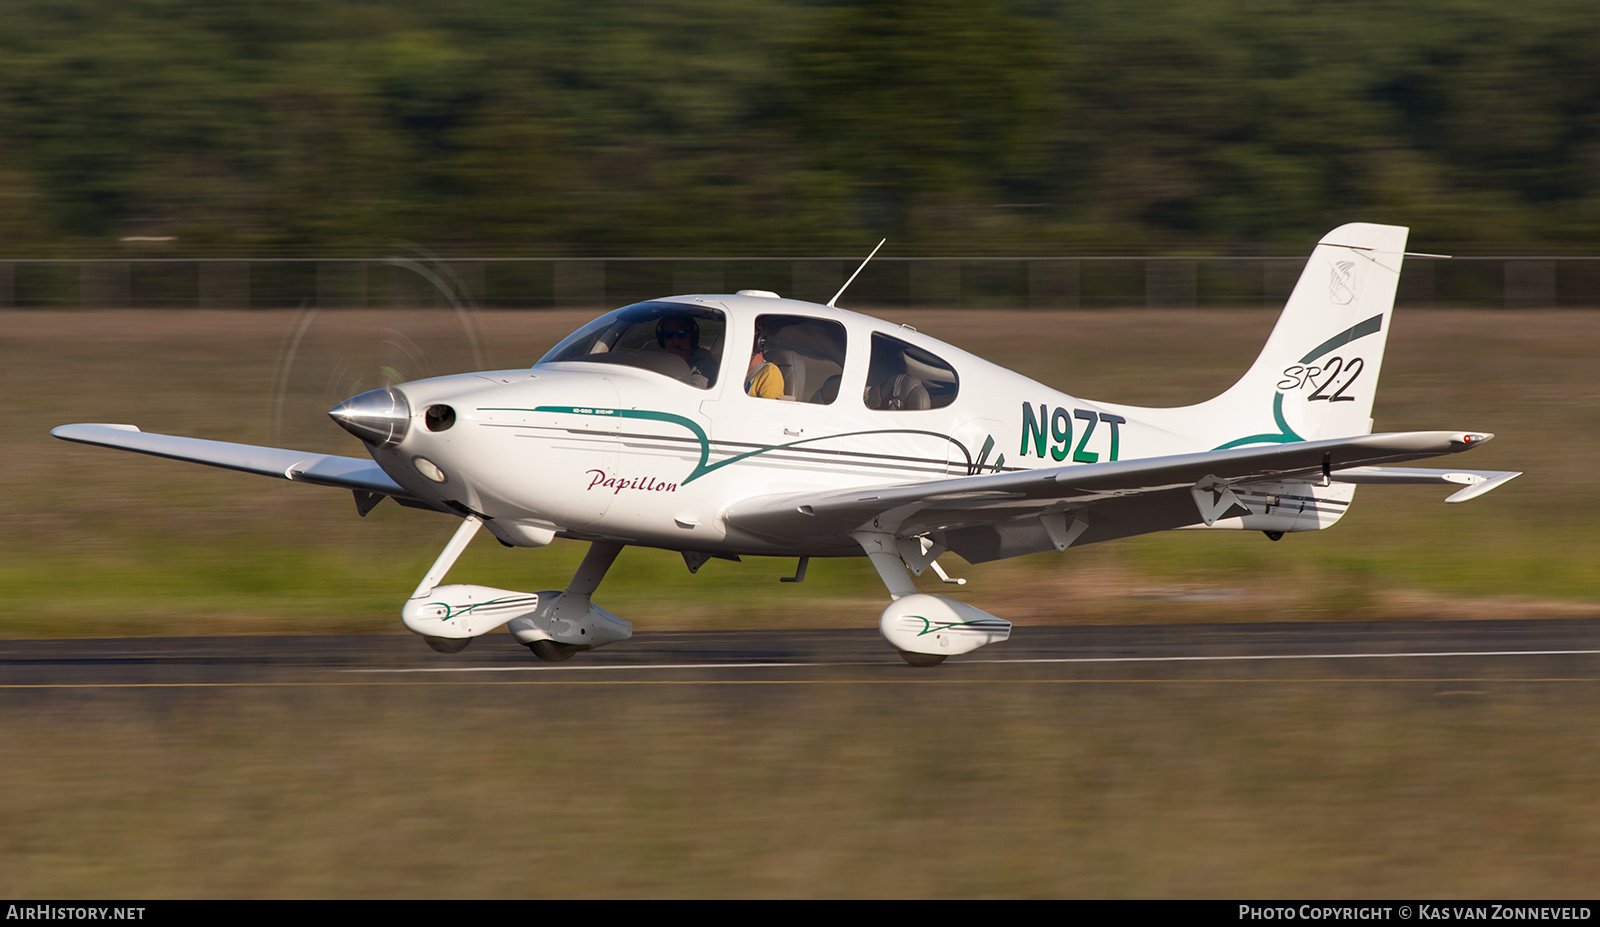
(762, 379)
(680, 335)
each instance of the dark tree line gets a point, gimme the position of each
(772, 126)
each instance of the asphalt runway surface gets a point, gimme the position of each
(1559, 650)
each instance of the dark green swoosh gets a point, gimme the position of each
(705, 466)
(928, 627)
(1358, 330)
(1285, 434)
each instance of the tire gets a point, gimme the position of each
(448, 644)
(554, 651)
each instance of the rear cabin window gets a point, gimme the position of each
(677, 340)
(905, 377)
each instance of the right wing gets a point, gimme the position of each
(992, 516)
(352, 473)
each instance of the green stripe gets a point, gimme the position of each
(704, 466)
(1285, 434)
(1358, 330)
(929, 627)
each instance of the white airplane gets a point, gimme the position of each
(748, 424)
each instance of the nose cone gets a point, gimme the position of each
(379, 417)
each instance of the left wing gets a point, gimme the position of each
(353, 473)
(999, 515)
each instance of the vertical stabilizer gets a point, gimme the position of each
(1318, 373)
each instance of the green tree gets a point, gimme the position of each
(934, 114)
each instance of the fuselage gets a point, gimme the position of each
(614, 441)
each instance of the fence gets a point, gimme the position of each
(535, 283)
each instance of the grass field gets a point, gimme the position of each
(927, 787)
(104, 543)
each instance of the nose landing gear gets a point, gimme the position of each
(554, 624)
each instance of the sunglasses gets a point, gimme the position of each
(676, 334)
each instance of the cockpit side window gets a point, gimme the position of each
(677, 340)
(905, 377)
(796, 358)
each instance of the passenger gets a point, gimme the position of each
(762, 380)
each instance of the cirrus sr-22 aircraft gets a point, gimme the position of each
(749, 424)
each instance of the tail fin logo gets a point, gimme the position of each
(1342, 282)
(1339, 372)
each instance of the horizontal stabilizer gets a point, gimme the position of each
(1477, 482)
(283, 463)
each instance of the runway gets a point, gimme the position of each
(1560, 650)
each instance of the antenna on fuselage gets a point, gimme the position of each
(830, 303)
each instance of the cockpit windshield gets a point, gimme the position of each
(678, 340)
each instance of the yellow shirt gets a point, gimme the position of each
(764, 382)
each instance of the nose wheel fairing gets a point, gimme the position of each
(568, 618)
(568, 621)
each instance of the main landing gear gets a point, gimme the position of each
(924, 628)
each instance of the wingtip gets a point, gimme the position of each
(76, 431)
